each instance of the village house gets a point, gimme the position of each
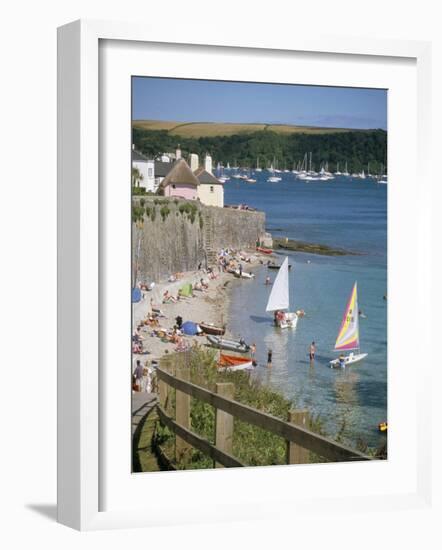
(173, 177)
(152, 172)
(210, 189)
(180, 182)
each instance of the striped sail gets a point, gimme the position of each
(348, 337)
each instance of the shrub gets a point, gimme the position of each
(164, 211)
(137, 213)
(136, 191)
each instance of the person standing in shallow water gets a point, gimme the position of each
(312, 352)
(269, 359)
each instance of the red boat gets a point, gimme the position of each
(264, 250)
(232, 362)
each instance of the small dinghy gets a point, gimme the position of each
(231, 345)
(243, 275)
(232, 363)
(276, 266)
(347, 359)
(207, 328)
(348, 337)
(264, 250)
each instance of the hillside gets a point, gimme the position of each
(250, 144)
(214, 129)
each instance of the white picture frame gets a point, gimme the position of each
(81, 402)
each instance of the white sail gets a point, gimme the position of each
(279, 296)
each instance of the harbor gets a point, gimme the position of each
(259, 288)
(351, 402)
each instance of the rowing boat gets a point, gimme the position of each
(207, 328)
(264, 250)
(233, 363)
(231, 345)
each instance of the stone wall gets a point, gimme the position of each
(171, 237)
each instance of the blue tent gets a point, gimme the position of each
(189, 328)
(136, 295)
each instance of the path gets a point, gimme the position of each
(142, 403)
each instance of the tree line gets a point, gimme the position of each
(285, 151)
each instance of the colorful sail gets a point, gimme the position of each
(279, 296)
(348, 337)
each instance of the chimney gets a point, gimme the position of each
(194, 162)
(208, 164)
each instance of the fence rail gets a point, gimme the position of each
(299, 439)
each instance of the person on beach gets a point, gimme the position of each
(138, 374)
(204, 285)
(269, 359)
(312, 352)
(253, 350)
(167, 297)
(268, 282)
(179, 321)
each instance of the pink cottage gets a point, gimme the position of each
(180, 182)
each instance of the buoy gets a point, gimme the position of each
(383, 426)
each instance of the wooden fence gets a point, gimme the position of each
(300, 440)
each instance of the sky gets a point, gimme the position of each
(216, 101)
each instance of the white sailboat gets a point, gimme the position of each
(279, 300)
(348, 337)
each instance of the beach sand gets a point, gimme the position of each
(210, 306)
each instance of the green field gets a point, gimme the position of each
(213, 129)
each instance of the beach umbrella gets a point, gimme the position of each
(186, 290)
(189, 328)
(136, 295)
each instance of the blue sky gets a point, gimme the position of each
(214, 101)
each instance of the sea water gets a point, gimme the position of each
(342, 213)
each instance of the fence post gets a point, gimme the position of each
(182, 416)
(224, 422)
(163, 388)
(295, 453)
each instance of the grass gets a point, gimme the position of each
(251, 445)
(213, 129)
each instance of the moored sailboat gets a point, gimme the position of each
(348, 336)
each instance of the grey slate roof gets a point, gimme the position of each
(205, 177)
(162, 168)
(138, 157)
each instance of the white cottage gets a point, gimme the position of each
(210, 189)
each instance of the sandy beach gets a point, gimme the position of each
(208, 306)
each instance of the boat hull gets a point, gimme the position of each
(276, 266)
(232, 363)
(348, 360)
(211, 329)
(290, 321)
(243, 275)
(264, 250)
(230, 345)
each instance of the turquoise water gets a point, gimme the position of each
(346, 213)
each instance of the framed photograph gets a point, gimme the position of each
(235, 287)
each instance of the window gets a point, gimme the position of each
(212, 189)
(173, 186)
(150, 172)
